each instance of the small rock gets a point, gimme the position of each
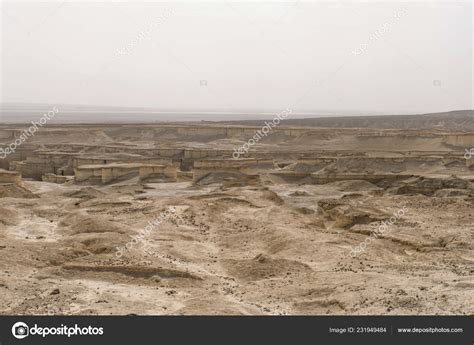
(260, 258)
(55, 292)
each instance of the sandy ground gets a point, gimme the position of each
(266, 249)
(272, 242)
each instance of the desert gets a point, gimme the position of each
(356, 216)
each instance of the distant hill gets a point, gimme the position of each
(454, 120)
(22, 113)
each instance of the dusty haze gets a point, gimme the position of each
(380, 57)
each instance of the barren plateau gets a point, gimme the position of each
(272, 231)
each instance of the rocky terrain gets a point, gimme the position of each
(162, 219)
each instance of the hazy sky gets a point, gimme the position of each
(380, 56)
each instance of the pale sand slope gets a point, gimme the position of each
(276, 249)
